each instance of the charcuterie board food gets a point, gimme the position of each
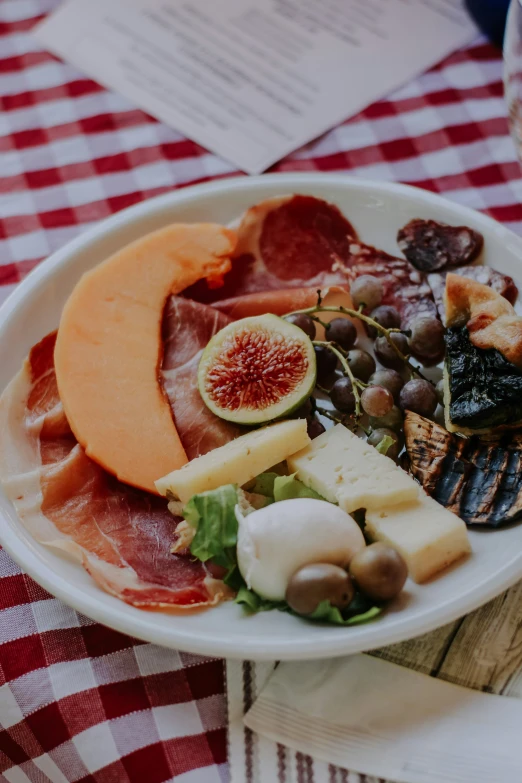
(258, 412)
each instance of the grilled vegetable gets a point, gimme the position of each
(479, 479)
(485, 389)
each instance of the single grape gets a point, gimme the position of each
(314, 428)
(427, 339)
(376, 401)
(388, 379)
(343, 332)
(342, 396)
(304, 322)
(393, 420)
(387, 355)
(376, 436)
(368, 291)
(326, 361)
(361, 363)
(419, 396)
(386, 316)
(439, 388)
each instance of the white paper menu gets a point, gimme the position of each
(253, 80)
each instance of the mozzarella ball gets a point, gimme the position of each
(275, 541)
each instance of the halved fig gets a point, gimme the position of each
(256, 370)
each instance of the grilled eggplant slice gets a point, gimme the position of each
(479, 479)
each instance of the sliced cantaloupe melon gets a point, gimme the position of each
(109, 349)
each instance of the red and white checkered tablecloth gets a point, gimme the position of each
(79, 702)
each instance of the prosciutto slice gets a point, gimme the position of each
(121, 535)
(187, 328)
(296, 241)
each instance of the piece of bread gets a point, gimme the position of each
(490, 319)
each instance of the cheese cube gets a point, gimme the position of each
(238, 461)
(345, 469)
(428, 536)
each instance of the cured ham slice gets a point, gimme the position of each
(293, 241)
(122, 535)
(187, 328)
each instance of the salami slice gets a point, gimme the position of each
(122, 536)
(295, 241)
(285, 242)
(432, 246)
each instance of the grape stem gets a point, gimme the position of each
(317, 320)
(347, 370)
(329, 415)
(371, 322)
(322, 388)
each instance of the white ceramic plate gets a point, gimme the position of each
(377, 210)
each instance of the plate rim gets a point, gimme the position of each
(25, 554)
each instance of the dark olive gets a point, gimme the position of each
(379, 571)
(312, 584)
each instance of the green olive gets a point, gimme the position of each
(379, 571)
(319, 582)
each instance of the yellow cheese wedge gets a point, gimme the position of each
(428, 536)
(345, 469)
(238, 461)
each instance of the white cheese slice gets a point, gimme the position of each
(428, 536)
(345, 469)
(238, 461)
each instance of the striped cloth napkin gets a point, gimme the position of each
(364, 720)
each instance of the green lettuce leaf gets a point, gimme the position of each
(233, 578)
(277, 487)
(288, 488)
(385, 444)
(253, 602)
(327, 613)
(212, 514)
(264, 484)
(359, 611)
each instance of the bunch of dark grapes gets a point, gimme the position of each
(381, 393)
